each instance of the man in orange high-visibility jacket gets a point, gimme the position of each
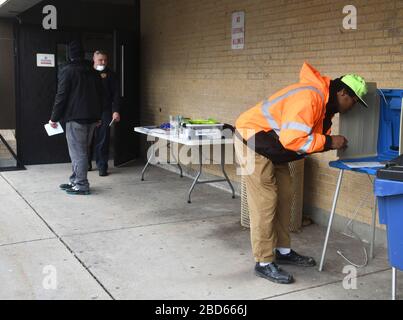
(293, 123)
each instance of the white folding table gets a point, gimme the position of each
(171, 139)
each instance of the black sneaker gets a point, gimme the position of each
(273, 273)
(67, 186)
(76, 192)
(295, 259)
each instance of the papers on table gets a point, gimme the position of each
(51, 131)
(358, 165)
(155, 130)
(159, 131)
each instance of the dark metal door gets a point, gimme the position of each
(36, 89)
(127, 55)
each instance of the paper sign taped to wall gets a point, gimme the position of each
(45, 60)
(238, 30)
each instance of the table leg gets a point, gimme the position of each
(196, 180)
(180, 169)
(394, 280)
(223, 170)
(373, 230)
(148, 162)
(177, 162)
(329, 227)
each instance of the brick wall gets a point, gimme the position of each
(188, 66)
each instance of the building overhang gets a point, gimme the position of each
(12, 8)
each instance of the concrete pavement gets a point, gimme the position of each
(142, 240)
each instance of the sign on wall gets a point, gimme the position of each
(45, 60)
(238, 30)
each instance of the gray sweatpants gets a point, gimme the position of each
(78, 139)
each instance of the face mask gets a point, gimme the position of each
(100, 68)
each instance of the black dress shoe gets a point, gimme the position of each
(67, 186)
(103, 173)
(273, 273)
(295, 259)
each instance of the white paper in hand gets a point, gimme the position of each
(51, 131)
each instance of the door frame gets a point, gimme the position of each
(19, 73)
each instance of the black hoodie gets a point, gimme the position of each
(79, 95)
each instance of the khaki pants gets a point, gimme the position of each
(268, 189)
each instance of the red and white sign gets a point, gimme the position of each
(45, 60)
(238, 30)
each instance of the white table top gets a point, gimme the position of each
(160, 134)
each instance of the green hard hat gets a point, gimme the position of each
(358, 85)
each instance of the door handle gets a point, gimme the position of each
(122, 71)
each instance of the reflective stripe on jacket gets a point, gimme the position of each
(293, 118)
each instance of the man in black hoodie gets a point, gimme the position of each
(79, 102)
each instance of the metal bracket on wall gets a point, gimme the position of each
(19, 166)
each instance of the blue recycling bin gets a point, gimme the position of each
(390, 201)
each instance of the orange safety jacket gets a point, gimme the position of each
(290, 124)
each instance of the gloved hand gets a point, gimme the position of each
(165, 126)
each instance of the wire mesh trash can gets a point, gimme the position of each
(245, 222)
(297, 201)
